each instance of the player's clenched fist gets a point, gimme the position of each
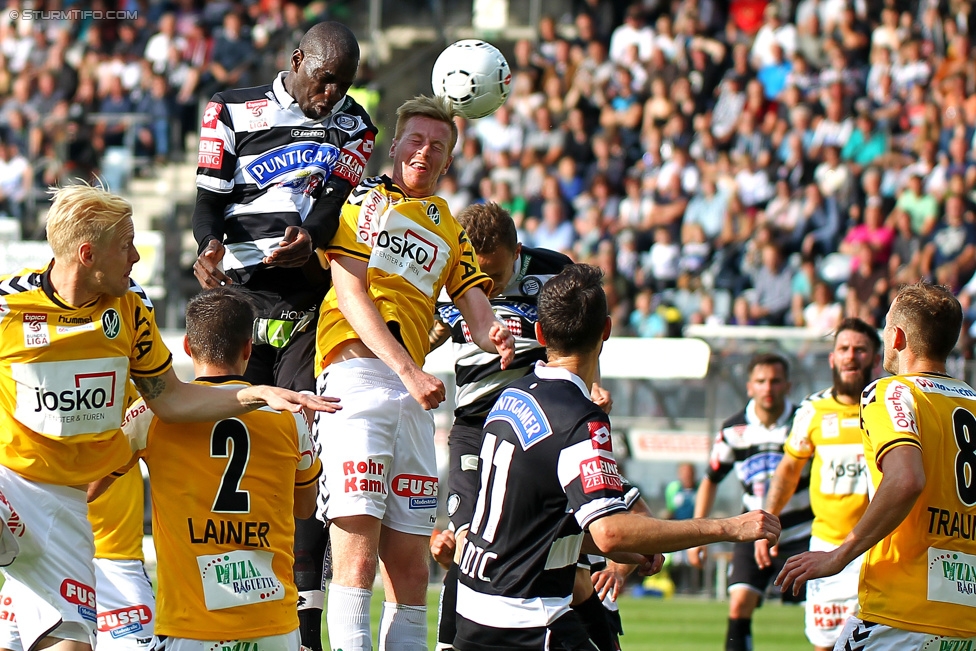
(504, 343)
(425, 388)
(755, 525)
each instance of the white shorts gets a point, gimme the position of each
(380, 459)
(126, 605)
(287, 642)
(858, 634)
(831, 600)
(52, 579)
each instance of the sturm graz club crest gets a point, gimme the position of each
(530, 286)
(111, 323)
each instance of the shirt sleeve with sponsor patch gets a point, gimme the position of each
(216, 152)
(588, 472)
(799, 443)
(359, 222)
(721, 458)
(889, 417)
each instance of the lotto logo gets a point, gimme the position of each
(78, 593)
(600, 436)
(210, 115)
(211, 153)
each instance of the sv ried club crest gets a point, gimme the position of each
(111, 323)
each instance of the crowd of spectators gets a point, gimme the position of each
(732, 163)
(744, 162)
(73, 86)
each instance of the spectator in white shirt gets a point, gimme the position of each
(634, 30)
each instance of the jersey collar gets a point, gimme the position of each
(556, 373)
(753, 420)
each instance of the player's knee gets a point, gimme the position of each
(742, 603)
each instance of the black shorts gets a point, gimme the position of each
(565, 634)
(464, 444)
(291, 367)
(744, 571)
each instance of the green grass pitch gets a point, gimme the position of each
(679, 624)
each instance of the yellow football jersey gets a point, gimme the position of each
(116, 518)
(117, 515)
(413, 247)
(223, 523)
(830, 432)
(922, 576)
(64, 376)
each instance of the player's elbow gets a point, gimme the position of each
(607, 537)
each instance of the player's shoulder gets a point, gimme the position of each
(544, 261)
(354, 109)
(243, 95)
(138, 294)
(818, 399)
(381, 184)
(737, 419)
(25, 280)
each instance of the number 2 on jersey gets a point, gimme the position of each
(495, 465)
(964, 430)
(230, 498)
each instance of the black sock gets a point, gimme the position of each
(594, 616)
(446, 622)
(310, 627)
(739, 637)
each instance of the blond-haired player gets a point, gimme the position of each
(396, 247)
(71, 335)
(225, 494)
(827, 429)
(918, 583)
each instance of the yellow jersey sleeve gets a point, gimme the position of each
(889, 419)
(467, 273)
(799, 443)
(150, 357)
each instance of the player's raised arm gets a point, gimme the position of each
(486, 330)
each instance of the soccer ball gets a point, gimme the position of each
(474, 76)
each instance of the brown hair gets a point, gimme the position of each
(489, 227)
(931, 317)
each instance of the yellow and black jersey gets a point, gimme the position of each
(223, 523)
(830, 432)
(64, 377)
(413, 248)
(922, 576)
(116, 517)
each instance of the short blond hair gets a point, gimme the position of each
(82, 213)
(435, 108)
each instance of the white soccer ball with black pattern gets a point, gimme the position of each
(474, 75)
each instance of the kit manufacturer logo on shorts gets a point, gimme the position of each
(124, 621)
(80, 595)
(36, 333)
(453, 502)
(111, 323)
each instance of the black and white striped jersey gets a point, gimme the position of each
(273, 163)
(479, 377)
(753, 450)
(546, 472)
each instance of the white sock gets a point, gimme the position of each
(348, 618)
(403, 628)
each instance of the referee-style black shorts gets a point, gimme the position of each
(464, 444)
(744, 570)
(565, 634)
